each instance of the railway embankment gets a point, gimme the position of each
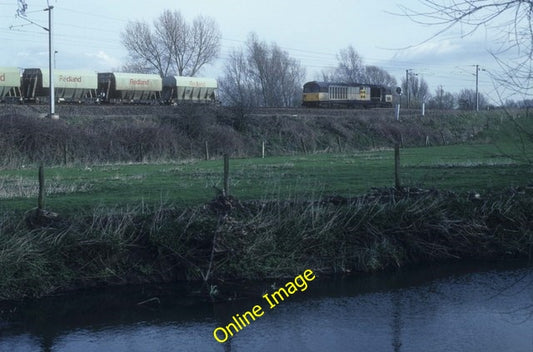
(131, 133)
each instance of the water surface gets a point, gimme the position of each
(459, 307)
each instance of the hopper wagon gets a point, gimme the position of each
(69, 85)
(9, 84)
(136, 88)
(179, 89)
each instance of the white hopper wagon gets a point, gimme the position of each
(69, 85)
(9, 83)
(129, 88)
(179, 89)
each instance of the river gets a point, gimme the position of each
(446, 307)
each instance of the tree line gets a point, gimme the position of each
(261, 74)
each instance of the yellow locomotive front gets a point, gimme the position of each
(315, 94)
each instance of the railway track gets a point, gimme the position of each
(315, 111)
(75, 110)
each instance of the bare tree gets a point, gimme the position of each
(147, 53)
(173, 46)
(508, 22)
(466, 100)
(418, 90)
(327, 75)
(263, 76)
(238, 88)
(172, 32)
(442, 100)
(377, 75)
(350, 68)
(279, 75)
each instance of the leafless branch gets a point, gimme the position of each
(173, 46)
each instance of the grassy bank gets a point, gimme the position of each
(227, 239)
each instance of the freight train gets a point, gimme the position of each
(325, 94)
(70, 86)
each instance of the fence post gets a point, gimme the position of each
(304, 148)
(40, 198)
(397, 112)
(397, 166)
(263, 150)
(226, 175)
(65, 153)
(206, 151)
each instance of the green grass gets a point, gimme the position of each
(455, 167)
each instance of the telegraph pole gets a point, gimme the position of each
(408, 91)
(407, 86)
(478, 69)
(51, 65)
(477, 87)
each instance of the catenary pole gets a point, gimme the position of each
(477, 87)
(407, 87)
(50, 63)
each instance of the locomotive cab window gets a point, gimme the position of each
(311, 88)
(315, 87)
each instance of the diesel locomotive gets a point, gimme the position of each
(329, 95)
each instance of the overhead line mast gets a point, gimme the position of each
(21, 12)
(50, 64)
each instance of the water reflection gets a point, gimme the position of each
(396, 320)
(445, 308)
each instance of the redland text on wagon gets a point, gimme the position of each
(70, 79)
(139, 82)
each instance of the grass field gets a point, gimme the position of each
(476, 167)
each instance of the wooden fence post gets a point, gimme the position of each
(304, 148)
(65, 153)
(206, 151)
(226, 175)
(40, 198)
(397, 166)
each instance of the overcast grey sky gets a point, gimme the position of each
(87, 36)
